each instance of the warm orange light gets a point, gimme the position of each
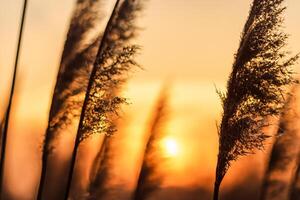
(171, 147)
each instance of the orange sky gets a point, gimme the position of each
(190, 42)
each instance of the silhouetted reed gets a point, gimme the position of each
(149, 180)
(74, 71)
(255, 89)
(284, 153)
(11, 95)
(115, 58)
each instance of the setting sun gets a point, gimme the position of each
(171, 147)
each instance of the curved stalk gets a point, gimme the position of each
(7, 114)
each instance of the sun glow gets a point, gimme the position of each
(170, 146)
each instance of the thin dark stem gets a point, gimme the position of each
(79, 131)
(216, 191)
(7, 114)
(218, 181)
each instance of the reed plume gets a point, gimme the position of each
(115, 58)
(284, 153)
(149, 180)
(85, 16)
(11, 95)
(255, 89)
(74, 71)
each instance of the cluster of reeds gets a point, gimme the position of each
(74, 71)
(91, 75)
(88, 85)
(88, 80)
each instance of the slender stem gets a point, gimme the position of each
(216, 191)
(6, 119)
(79, 131)
(218, 181)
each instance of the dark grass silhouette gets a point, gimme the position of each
(115, 58)
(256, 86)
(11, 95)
(149, 180)
(284, 153)
(73, 74)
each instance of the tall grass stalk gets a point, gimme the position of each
(149, 180)
(256, 86)
(284, 153)
(7, 113)
(115, 58)
(72, 78)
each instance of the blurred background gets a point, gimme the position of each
(189, 44)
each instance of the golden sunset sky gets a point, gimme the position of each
(189, 43)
